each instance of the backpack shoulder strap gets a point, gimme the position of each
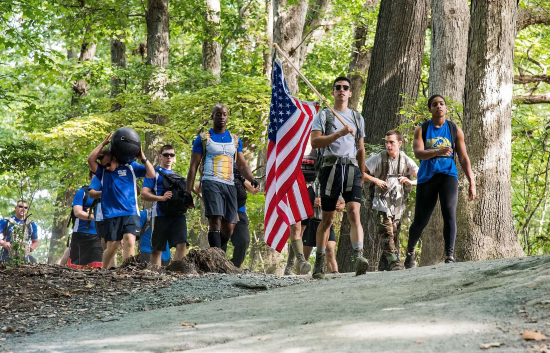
(453, 128)
(425, 131)
(329, 120)
(86, 195)
(385, 165)
(235, 140)
(357, 124)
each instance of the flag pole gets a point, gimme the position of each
(325, 102)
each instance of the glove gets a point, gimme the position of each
(254, 183)
(188, 200)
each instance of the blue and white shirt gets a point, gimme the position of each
(119, 190)
(155, 184)
(33, 231)
(220, 156)
(437, 138)
(80, 225)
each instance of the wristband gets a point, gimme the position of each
(143, 161)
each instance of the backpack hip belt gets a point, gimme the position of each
(340, 161)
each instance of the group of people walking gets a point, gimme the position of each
(107, 215)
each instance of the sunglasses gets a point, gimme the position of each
(169, 155)
(107, 165)
(339, 87)
(25, 207)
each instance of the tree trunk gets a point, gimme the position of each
(289, 25)
(315, 27)
(268, 54)
(485, 226)
(118, 60)
(59, 229)
(360, 57)
(211, 48)
(158, 50)
(80, 87)
(394, 72)
(450, 21)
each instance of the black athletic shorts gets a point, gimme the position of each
(328, 203)
(168, 228)
(220, 200)
(116, 227)
(100, 229)
(86, 250)
(310, 235)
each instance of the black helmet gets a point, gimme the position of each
(125, 144)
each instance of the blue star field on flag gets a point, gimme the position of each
(282, 106)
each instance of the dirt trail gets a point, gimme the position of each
(443, 308)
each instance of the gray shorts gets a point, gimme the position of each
(220, 200)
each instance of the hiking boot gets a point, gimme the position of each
(395, 266)
(383, 264)
(319, 268)
(289, 268)
(361, 264)
(450, 260)
(304, 266)
(409, 260)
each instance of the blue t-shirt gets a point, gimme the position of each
(119, 190)
(220, 156)
(96, 185)
(80, 225)
(145, 241)
(437, 138)
(4, 223)
(155, 184)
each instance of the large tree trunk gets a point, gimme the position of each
(87, 53)
(289, 25)
(158, 49)
(485, 226)
(394, 71)
(360, 57)
(118, 60)
(211, 48)
(450, 21)
(63, 203)
(317, 23)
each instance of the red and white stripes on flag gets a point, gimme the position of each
(287, 200)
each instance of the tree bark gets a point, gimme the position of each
(449, 48)
(287, 33)
(158, 50)
(536, 99)
(58, 240)
(315, 27)
(531, 16)
(360, 57)
(118, 60)
(394, 72)
(268, 54)
(211, 48)
(526, 79)
(485, 226)
(87, 53)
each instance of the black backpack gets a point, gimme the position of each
(308, 166)
(239, 185)
(177, 184)
(452, 127)
(90, 210)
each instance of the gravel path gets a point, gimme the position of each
(444, 308)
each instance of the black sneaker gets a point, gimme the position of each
(409, 260)
(450, 260)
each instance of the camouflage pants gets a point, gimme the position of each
(388, 229)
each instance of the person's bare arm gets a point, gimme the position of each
(372, 179)
(361, 156)
(318, 140)
(147, 195)
(80, 213)
(149, 169)
(251, 189)
(421, 153)
(464, 161)
(34, 244)
(95, 194)
(244, 168)
(192, 173)
(92, 157)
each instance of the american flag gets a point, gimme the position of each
(287, 200)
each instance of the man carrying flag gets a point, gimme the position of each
(287, 198)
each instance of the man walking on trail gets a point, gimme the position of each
(435, 143)
(388, 170)
(85, 247)
(19, 219)
(341, 172)
(218, 150)
(118, 199)
(171, 228)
